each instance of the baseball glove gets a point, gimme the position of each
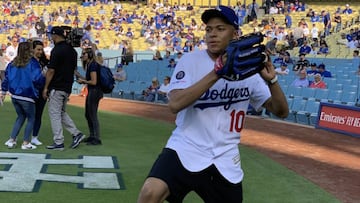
(245, 57)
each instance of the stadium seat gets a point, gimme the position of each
(321, 94)
(308, 93)
(312, 107)
(348, 96)
(293, 91)
(297, 105)
(334, 95)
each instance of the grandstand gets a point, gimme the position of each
(303, 102)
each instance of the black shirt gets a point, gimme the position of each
(63, 60)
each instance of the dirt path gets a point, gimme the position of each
(330, 160)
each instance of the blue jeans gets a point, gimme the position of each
(24, 109)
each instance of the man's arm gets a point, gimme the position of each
(182, 98)
(277, 103)
(49, 76)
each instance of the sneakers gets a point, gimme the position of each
(36, 141)
(77, 139)
(10, 143)
(54, 146)
(28, 146)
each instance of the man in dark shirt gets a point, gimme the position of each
(58, 86)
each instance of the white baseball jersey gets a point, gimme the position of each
(208, 131)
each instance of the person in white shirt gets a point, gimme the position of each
(314, 32)
(11, 51)
(164, 89)
(283, 69)
(202, 154)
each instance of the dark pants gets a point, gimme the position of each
(91, 108)
(39, 105)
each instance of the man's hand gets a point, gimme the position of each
(45, 94)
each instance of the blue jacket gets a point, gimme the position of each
(24, 82)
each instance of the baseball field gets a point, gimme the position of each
(280, 164)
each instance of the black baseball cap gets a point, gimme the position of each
(224, 12)
(57, 30)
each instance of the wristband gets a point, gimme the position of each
(273, 81)
(218, 64)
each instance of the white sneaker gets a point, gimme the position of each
(28, 146)
(36, 141)
(10, 143)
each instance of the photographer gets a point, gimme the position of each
(58, 86)
(302, 63)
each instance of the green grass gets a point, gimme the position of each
(136, 142)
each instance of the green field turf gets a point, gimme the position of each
(135, 143)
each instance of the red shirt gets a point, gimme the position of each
(320, 84)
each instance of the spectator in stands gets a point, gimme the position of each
(302, 63)
(323, 72)
(302, 80)
(157, 56)
(252, 11)
(163, 90)
(115, 45)
(283, 69)
(172, 63)
(323, 50)
(342, 40)
(178, 56)
(288, 20)
(305, 48)
(347, 9)
(356, 60)
(327, 22)
(337, 20)
(127, 53)
(313, 51)
(150, 92)
(120, 74)
(354, 43)
(318, 83)
(298, 33)
(313, 70)
(271, 46)
(314, 32)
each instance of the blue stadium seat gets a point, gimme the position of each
(297, 105)
(311, 108)
(293, 91)
(348, 97)
(307, 93)
(335, 95)
(321, 94)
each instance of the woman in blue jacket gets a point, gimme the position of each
(23, 79)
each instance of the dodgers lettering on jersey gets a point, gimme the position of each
(227, 95)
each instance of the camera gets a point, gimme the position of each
(73, 36)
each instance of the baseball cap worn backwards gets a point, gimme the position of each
(223, 12)
(57, 30)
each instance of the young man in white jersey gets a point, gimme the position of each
(202, 154)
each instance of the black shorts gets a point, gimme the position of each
(209, 184)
